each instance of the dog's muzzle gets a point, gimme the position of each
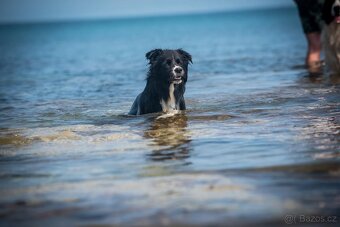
(178, 74)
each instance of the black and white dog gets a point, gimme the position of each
(331, 35)
(165, 82)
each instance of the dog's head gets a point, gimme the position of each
(170, 66)
(331, 11)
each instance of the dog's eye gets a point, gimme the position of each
(168, 61)
(178, 61)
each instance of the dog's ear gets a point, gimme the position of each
(153, 55)
(185, 54)
(327, 11)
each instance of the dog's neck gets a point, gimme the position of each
(170, 103)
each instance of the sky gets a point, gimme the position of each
(17, 11)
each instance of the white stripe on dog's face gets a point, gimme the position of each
(178, 73)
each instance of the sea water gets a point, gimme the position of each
(259, 139)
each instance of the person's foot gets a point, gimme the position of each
(315, 66)
(313, 58)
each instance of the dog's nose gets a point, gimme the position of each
(178, 70)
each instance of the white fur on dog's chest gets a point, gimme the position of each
(170, 104)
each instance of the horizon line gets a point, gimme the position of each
(131, 17)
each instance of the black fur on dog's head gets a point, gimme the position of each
(331, 11)
(168, 66)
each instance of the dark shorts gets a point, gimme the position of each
(310, 12)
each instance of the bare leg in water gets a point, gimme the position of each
(310, 17)
(314, 50)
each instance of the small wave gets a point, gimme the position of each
(305, 168)
(14, 139)
(63, 135)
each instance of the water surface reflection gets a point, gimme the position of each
(170, 138)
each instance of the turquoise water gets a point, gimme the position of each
(259, 141)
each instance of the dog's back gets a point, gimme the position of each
(135, 107)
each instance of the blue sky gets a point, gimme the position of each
(54, 10)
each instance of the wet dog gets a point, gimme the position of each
(165, 82)
(331, 35)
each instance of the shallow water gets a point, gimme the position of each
(260, 138)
